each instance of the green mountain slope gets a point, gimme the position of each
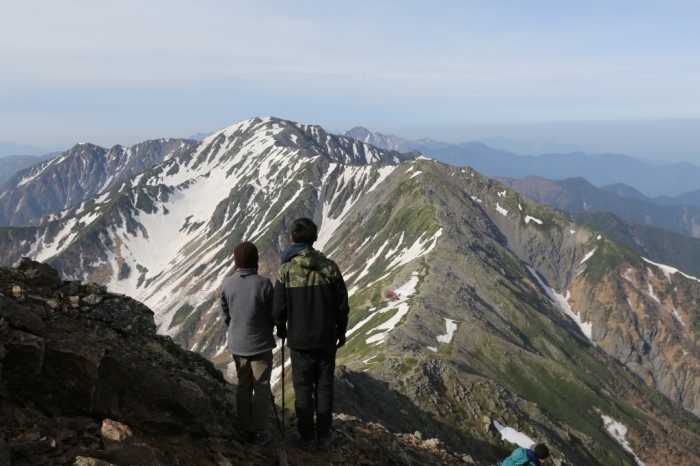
(655, 243)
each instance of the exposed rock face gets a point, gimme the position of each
(83, 350)
(647, 318)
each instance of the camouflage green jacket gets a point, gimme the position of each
(311, 299)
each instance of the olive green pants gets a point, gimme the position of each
(253, 392)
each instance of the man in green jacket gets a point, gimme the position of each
(311, 310)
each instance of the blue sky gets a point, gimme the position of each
(589, 72)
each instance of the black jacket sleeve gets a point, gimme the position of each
(268, 299)
(340, 303)
(279, 307)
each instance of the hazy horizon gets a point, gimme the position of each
(616, 77)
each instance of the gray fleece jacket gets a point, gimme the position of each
(246, 307)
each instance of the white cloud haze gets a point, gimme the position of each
(120, 72)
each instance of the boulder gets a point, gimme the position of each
(104, 360)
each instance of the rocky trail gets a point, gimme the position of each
(87, 381)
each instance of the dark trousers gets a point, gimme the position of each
(312, 374)
(253, 391)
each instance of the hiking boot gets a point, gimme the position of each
(325, 442)
(247, 434)
(304, 444)
(262, 437)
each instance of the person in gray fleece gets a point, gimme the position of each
(246, 308)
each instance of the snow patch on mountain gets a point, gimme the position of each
(678, 317)
(451, 326)
(501, 210)
(536, 220)
(400, 307)
(562, 302)
(618, 431)
(668, 270)
(418, 249)
(588, 255)
(347, 176)
(652, 295)
(513, 436)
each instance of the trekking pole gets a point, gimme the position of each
(277, 416)
(283, 388)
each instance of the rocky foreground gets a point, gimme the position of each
(85, 380)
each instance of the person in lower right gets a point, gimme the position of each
(526, 457)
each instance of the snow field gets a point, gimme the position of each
(389, 325)
(536, 220)
(371, 260)
(626, 275)
(513, 436)
(451, 326)
(668, 270)
(588, 255)
(417, 249)
(618, 431)
(501, 210)
(563, 304)
(652, 295)
(404, 292)
(360, 176)
(678, 317)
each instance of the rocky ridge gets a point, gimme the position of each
(86, 381)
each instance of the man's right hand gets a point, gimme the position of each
(341, 341)
(281, 332)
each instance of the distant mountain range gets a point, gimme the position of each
(600, 169)
(652, 155)
(13, 163)
(199, 136)
(75, 175)
(621, 189)
(391, 142)
(578, 195)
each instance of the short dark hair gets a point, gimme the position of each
(245, 255)
(304, 230)
(541, 451)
